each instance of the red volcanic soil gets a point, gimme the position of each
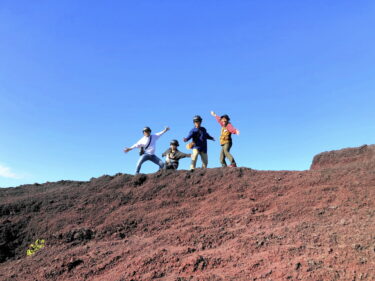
(214, 224)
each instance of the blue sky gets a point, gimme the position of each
(80, 79)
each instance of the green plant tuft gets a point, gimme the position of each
(39, 244)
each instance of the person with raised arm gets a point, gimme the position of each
(147, 145)
(227, 130)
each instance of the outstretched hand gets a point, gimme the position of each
(237, 132)
(185, 139)
(167, 129)
(126, 150)
(213, 114)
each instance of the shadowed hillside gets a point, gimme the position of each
(214, 224)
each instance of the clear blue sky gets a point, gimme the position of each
(80, 79)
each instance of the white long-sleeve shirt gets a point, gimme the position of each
(143, 142)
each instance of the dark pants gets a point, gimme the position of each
(225, 148)
(171, 166)
(147, 157)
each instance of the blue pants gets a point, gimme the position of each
(147, 157)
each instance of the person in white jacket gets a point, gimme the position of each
(147, 144)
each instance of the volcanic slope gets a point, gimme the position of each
(213, 224)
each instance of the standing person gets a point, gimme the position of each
(147, 144)
(199, 145)
(227, 130)
(173, 155)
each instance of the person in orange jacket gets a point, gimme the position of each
(227, 130)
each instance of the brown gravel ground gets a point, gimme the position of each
(213, 224)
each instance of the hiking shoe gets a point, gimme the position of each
(233, 165)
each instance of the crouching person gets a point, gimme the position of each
(173, 156)
(147, 144)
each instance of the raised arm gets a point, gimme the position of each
(163, 132)
(216, 117)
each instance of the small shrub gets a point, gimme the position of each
(39, 244)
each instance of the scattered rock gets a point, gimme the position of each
(74, 264)
(79, 235)
(297, 266)
(140, 179)
(200, 264)
(358, 247)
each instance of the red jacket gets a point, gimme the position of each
(230, 127)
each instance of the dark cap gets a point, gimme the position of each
(197, 118)
(146, 129)
(225, 116)
(174, 142)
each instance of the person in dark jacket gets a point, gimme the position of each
(173, 155)
(199, 145)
